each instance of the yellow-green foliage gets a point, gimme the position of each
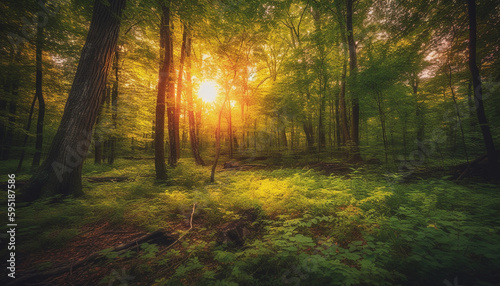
(311, 228)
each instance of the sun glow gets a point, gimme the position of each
(208, 91)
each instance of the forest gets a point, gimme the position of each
(257, 142)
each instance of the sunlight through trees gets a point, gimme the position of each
(208, 91)
(350, 135)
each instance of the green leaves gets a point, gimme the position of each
(224, 256)
(150, 250)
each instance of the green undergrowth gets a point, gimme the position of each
(310, 229)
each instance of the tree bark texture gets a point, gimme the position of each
(170, 98)
(476, 82)
(159, 145)
(60, 173)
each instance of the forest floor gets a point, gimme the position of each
(265, 221)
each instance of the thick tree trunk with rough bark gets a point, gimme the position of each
(60, 173)
(476, 82)
(160, 167)
(170, 98)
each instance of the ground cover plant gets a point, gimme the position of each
(271, 226)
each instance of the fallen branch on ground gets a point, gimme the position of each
(39, 276)
(184, 234)
(106, 179)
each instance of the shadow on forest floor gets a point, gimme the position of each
(337, 215)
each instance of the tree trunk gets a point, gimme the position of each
(342, 106)
(243, 120)
(329, 120)
(346, 136)
(114, 109)
(60, 173)
(39, 95)
(230, 129)
(217, 130)
(8, 105)
(217, 138)
(321, 124)
(99, 143)
(9, 134)
(308, 130)
(179, 93)
(353, 62)
(379, 100)
(284, 140)
(28, 127)
(419, 114)
(405, 135)
(459, 117)
(160, 167)
(476, 81)
(337, 122)
(255, 135)
(198, 124)
(189, 96)
(471, 107)
(104, 133)
(170, 98)
(323, 82)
